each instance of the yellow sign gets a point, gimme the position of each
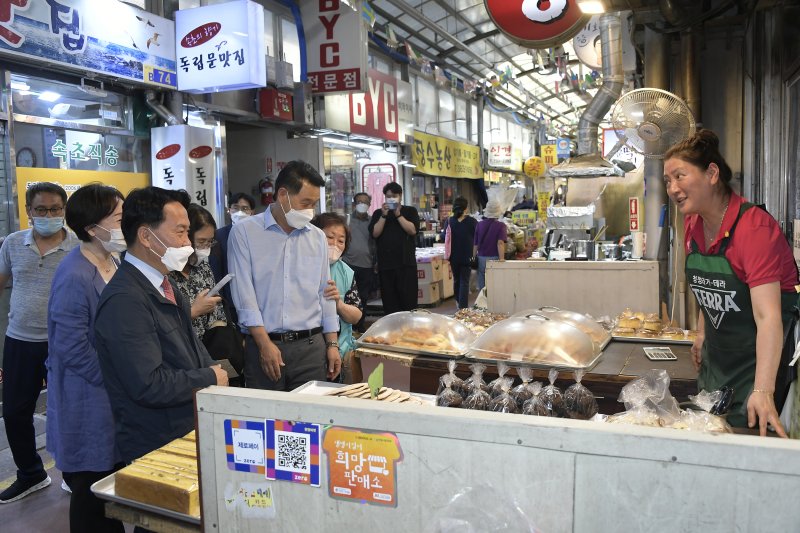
(543, 201)
(549, 154)
(534, 167)
(438, 156)
(72, 180)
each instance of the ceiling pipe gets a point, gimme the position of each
(609, 92)
(160, 109)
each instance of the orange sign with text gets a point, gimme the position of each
(362, 465)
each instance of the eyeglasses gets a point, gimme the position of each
(203, 244)
(42, 211)
(234, 208)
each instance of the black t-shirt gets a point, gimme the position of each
(396, 248)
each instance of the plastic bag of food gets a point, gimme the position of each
(495, 386)
(524, 391)
(552, 398)
(535, 405)
(648, 401)
(504, 402)
(707, 419)
(478, 400)
(448, 397)
(476, 379)
(457, 384)
(579, 402)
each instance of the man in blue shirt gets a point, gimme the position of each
(281, 266)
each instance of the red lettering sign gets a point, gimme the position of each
(201, 34)
(200, 152)
(374, 112)
(168, 151)
(537, 23)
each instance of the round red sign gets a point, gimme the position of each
(168, 151)
(537, 23)
(200, 152)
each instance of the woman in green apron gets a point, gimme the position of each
(349, 307)
(742, 272)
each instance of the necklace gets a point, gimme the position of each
(710, 238)
(105, 269)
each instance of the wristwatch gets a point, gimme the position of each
(332, 344)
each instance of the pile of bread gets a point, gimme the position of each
(419, 338)
(166, 477)
(385, 394)
(478, 320)
(649, 326)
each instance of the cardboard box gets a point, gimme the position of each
(428, 293)
(447, 280)
(429, 269)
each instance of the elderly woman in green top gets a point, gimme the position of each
(349, 308)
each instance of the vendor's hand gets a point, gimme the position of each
(334, 362)
(221, 375)
(697, 351)
(397, 210)
(761, 405)
(203, 304)
(271, 361)
(331, 292)
(385, 209)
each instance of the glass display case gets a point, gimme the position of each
(419, 332)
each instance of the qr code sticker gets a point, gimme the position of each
(293, 452)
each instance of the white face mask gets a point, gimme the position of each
(202, 254)
(297, 218)
(362, 208)
(174, 258)
(392, 203)
(116, 243)
(334, 253)
(238, 216)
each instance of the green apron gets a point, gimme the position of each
(729, 351)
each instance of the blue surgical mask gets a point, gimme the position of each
(46, 226)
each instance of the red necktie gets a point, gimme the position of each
(169, 294)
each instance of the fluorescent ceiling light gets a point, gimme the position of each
(591, 7)
(352, 144)
(49, 96)
(20, 85)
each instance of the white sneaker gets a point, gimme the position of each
(65, 487)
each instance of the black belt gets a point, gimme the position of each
(289, 336)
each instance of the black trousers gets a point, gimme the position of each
(461, 274)
(399, 288)
(23, 375)
(87, 511)
(306, 360)
(365, 281)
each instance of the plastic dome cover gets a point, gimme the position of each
(538, 341)
(419, 332)
(598, 333)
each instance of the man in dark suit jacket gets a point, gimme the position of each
(150, 358)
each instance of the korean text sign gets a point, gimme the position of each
(438, 156)
(104, 36)
(362, 466)
(336, 44)
(221, 47)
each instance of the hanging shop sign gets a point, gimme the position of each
(375, 112)
(500, 155)
(336, 45)
(533, 167)
(587, 45)
(103, 36)
(438, 156)
(221, 47)
(104, 154)
(72, 180)
(536, 23)
(562, 148)
(362, 465)
(549, 154)
(183, 158)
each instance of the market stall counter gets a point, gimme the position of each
(293, 462)
(620, 363)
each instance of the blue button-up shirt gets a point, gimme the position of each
(280, 278)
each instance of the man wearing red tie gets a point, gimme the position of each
(151, 359)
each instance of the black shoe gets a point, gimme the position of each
(19, 489)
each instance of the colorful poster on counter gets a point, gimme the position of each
(72, 180)
(362, 466)
(244, 446)
(104, 36)
(438, 156)
(293, 451)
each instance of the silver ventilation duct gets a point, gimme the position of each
(161, 110)
(613, 78)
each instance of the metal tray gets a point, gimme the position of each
(411, 351)
(521, 362)
(104, 489)
(654, 340)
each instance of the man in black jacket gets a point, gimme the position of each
(150, 358)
